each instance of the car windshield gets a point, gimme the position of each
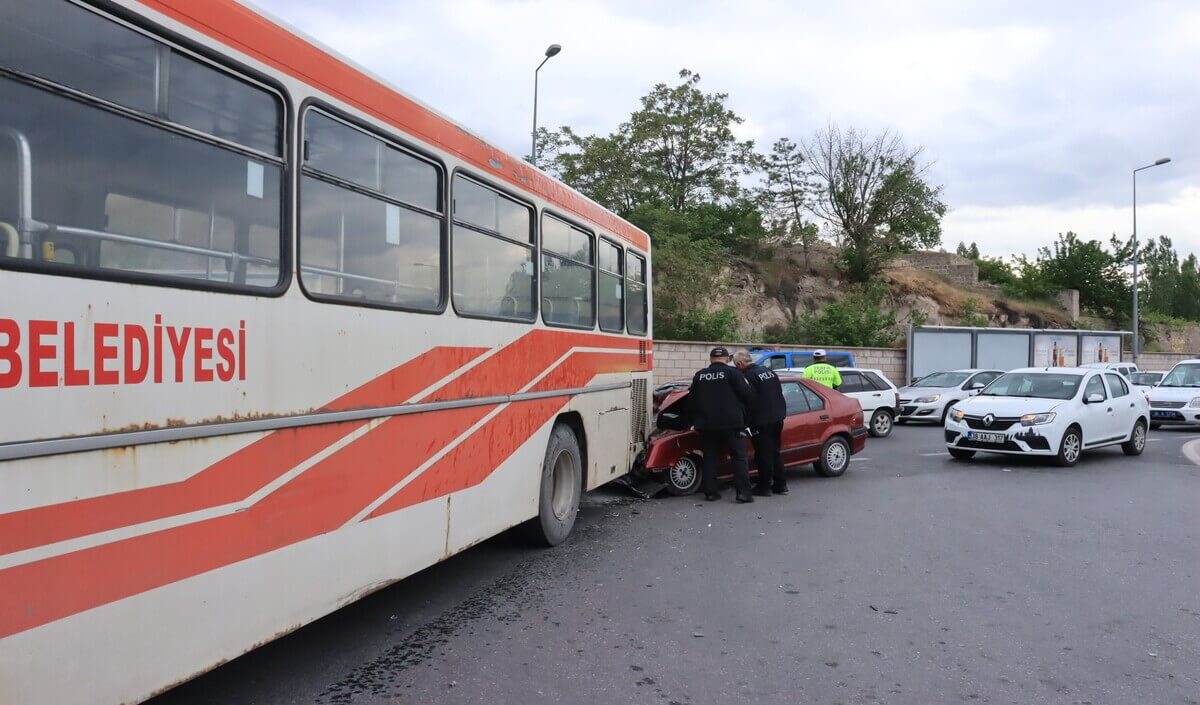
(1182, 376)
(1034, 385)
(1148, 379)
(943, 379)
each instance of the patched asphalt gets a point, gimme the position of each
(911, 579)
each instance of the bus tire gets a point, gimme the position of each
(559, 490)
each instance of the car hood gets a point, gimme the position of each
(1007, 406)
(1174, 393)
(914, 392)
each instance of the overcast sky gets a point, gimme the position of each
(1033, 113)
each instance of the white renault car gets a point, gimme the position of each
(1176, 399)
(930, 398)
(1056, 412)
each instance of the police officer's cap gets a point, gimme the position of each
(718, 352)
(818, 353)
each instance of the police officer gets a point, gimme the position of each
(765, 419)
(822, 372)
(717, 396)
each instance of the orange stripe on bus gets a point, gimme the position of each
(239, 27)
(234, 477)
(473, 460)
(318, 501)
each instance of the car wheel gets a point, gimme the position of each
(961, 453)
(881, 424)
(683, 478)
(1137, 439)
(835, 458)
(1154, 425)
(558, 495)
(1070, 448)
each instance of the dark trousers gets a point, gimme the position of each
(730, 439)
(768, 455)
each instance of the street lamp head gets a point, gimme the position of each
(553, 50)
(1160, 162)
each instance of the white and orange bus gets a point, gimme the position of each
(273, 336)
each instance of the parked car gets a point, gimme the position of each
(1124, 368)
(798, 359)
(822, 427)
(1176, 399)
(1147, 378)
(878, 396)
(930, 398)
(1054, 412)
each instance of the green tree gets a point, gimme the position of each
(784, 197)
(872, 191)
(858, 320)
(1095, 270)
(685, 283)
(678, 150)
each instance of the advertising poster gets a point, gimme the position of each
(1054, 350)
(1100, 348)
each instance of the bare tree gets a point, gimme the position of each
(872, 190)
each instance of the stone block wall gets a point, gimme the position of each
(1159, 360)
(679, 360)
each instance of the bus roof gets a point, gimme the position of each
(287, 50)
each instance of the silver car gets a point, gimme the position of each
(930, 398)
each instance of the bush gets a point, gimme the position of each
(858, 320)
(695, 324)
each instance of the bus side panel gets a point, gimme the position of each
(127, 650)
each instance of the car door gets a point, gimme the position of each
(802, 425)
(855, 386)
(778, 361)
(1096, 419)
(1125, 411)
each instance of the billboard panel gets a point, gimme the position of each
(1100, 348)
(1055, 350)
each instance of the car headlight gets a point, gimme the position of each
(1037, 419)
(1195, 402)
(958, 414)
(927, 400)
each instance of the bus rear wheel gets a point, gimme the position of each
(559, 492)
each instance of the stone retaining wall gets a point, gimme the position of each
(680, 360)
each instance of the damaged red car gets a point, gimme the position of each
(822, 428)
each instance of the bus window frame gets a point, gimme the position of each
(110, 12)
(446, 222)
(534, 234)
(578, 225)
(624, 314)
(645, 284)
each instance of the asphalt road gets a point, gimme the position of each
(912, 579)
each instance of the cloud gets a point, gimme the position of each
(1033, 113)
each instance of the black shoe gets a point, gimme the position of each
(712, 497)
(780, 490)
(762, 492)
(744, 499)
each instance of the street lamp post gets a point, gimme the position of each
(1136, 340)
(551, 50)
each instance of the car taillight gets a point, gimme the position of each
(897, 400)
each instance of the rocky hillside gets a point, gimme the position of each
(931, 289)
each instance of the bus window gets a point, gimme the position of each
(382, 246)
(610, 299)
(568, 278)
(120, 187)
(492, 252)
(635, 300)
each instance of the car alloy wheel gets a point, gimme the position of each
(1072, 445)
(881, 424)
(684, 476)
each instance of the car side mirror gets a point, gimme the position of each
(1094, 398)
(977, 386)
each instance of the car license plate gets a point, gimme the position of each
(1164, 414)
(985, 437)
